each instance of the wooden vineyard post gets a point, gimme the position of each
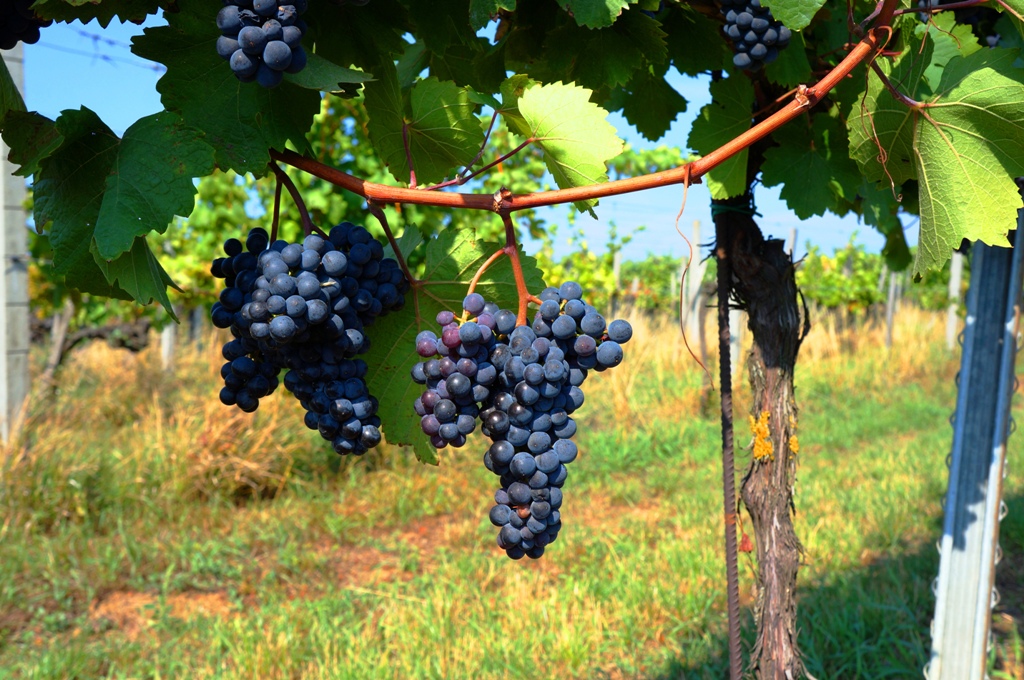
(14, 333)
(969, 547)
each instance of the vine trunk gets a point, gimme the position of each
(763, 284)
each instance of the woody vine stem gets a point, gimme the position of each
(504, 203)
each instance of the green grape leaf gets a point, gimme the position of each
(813, 165)
(409, 241)
(795, 14)
(651, 105)
(452, 259)
(241, 120)
(70, 190)
(512, 91)
(614, 53)
(791, 68)
(361, 35)
(137, 272)
(896, 251)
(949, 40)
(727, 116)
(574, 134)
(10, 98)
(31, 138)
(85, 11)
(473, 65)
(442, 29)
(413, 61)
(320, 74)
(595, 13)
(694, 42)
(1014, 11)
(151, 181)
(970, 151)
(881, 128)
(966, 146)
(441, 130)
(481, 11)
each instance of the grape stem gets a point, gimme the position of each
(277, 212)
(808, 97)
(378, 212)
(512, 250)
(479, 154)
(462, 180)
(480, 272)
(941, 8)
(408, 156)
(307, 223)
(900, 97)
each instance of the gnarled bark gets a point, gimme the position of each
(763, 284)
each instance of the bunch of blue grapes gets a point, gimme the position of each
(456, 371)
(303, 309)
(543, 367)
(523, 384)
(19, 23)
(756, 35)
(261, 39)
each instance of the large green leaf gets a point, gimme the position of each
(964, 147)
(613, 54)
(68, 193)
(727, 116)
(595, 13)
(882, 128)
(10, 98)
(694, 42)
(651, 105)
(137, 272)
(104, 12)
(74, 185)
(363, 34)
(574, 133)
(512, 91)
(795, 14)
(949, 40)
(241, 120)
(151, 181)
(451, 261)
(68, 190)
(441, 130)
(792, 67)
(31, 138)
(812, 163)
(320, 74)
(481, 11)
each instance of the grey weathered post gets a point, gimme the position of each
(14, 334)
(964, 589)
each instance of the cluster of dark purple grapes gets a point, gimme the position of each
(261, 39)
(523, 383)
(303, 308)
(756, 35)
(19, 23)
(457, 372)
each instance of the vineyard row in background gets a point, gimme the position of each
(847, 290)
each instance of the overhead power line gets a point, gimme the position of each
(138, 63)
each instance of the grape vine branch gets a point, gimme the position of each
(805, 98)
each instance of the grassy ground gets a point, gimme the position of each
(147, 531)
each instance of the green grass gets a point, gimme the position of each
(146, 531)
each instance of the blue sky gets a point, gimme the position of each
(75, 65)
